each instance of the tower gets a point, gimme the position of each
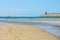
(45, 12)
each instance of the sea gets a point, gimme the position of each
(49, 27)
(29, 19)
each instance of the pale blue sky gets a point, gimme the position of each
(28, 7)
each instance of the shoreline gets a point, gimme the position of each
(47, 21)
(53, 22)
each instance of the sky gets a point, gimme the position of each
(28, 7)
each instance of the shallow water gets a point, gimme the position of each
(51, 28)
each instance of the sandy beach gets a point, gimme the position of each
(24, 32)
(29, 19)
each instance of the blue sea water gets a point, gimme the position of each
(29, 19)
(51, 28)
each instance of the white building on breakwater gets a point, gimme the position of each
(51, 14)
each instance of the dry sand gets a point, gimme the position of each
(24, 32)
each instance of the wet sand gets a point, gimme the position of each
(24, 32)
(55, 22)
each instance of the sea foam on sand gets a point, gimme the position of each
(24, 32)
